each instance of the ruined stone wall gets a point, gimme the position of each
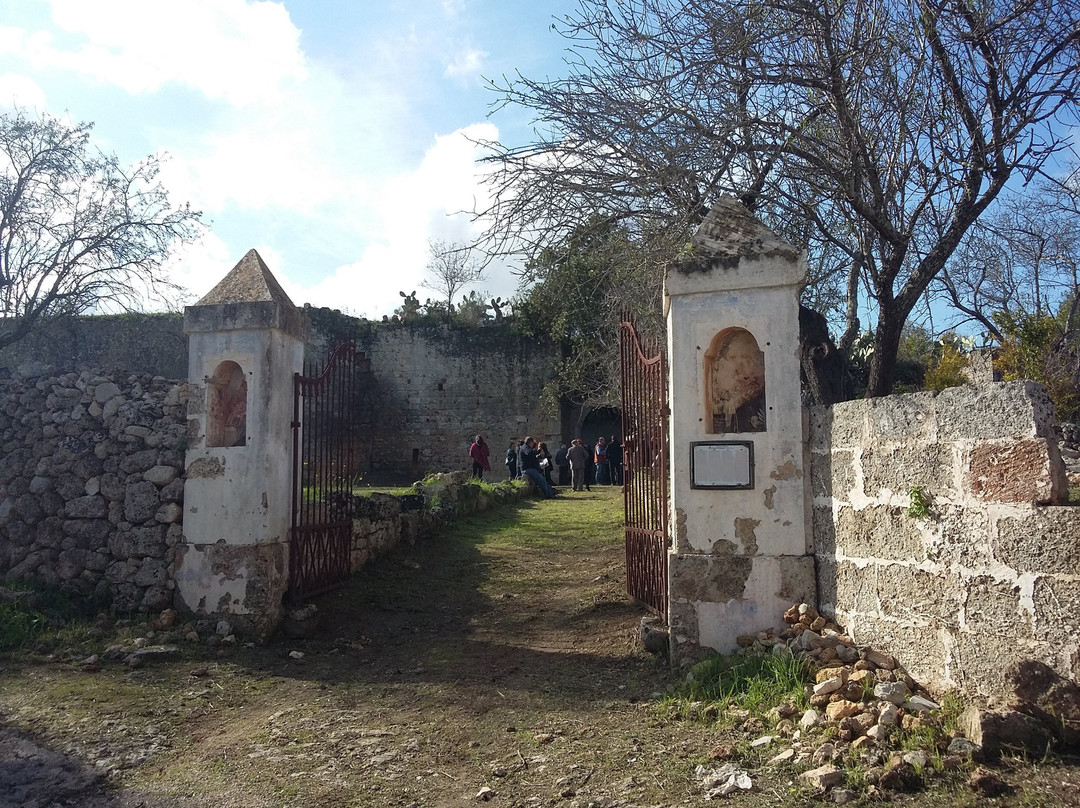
(434, 388)
(990, 574)
(90, 483)
(431, 389)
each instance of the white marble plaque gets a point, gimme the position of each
(722, 464)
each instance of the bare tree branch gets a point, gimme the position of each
(77, 231)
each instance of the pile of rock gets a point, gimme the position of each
(863, 703)
(860, 700)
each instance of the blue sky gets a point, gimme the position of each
(332, 136)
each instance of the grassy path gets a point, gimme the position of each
(501, 655)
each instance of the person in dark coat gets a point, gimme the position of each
(547, 462)
(530, 467)
(563, 465)
(520, 458)
(615, 461)
(511, 459)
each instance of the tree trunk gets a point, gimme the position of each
(823, 365)
(886, 345)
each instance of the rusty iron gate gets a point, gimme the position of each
(325, 439)
(645, 457)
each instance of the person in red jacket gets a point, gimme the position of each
(479, 454)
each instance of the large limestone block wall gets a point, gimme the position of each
(437, 387)
(990, 574)
(91, 483)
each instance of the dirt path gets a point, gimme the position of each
(465, 663)
(494, 664)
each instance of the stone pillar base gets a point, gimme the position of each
(716, 598)
(244, 584)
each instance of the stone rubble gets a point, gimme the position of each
(860, 700)
(91, 486)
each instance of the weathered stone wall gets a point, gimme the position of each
(432, 387)
(990, 574)
(90, 483)
(135, 343)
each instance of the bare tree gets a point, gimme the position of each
(1024, 259)
(450, 269)
(77, 231)
(888, 126)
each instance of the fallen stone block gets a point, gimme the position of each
(823, 778)
(1005, 730)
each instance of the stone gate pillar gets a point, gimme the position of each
(740, 553)
(245, 342)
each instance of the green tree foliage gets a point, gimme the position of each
(78, 232)
(579, 289)
(946, 369)
(1046, 349)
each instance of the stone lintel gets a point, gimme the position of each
(251, 316)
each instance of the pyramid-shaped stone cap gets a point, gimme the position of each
(733, 250)
(249, 297)
(250, 281)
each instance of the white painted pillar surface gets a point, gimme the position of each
(237, 498)
(740, 550)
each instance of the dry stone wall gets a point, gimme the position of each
(938, 535)
(90, 483)
(382, 521)
(431, 389)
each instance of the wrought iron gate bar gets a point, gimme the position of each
(645, 490)
(323, 472)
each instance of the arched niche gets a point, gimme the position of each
(226, 415)
(735, 383)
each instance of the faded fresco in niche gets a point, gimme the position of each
(226, 417)
(735, 383)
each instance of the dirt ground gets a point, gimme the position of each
(460, 671)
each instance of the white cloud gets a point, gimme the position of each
(20, 91)
(425, 203)
(200, 266)
(230, 50)
(466, 63)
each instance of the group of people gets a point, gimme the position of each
(575, 465)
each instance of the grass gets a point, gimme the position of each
(393, 490)
(748, 681)
(932, 735)
(468, 645)
(36, 612)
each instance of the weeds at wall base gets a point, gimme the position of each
(30, 611)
